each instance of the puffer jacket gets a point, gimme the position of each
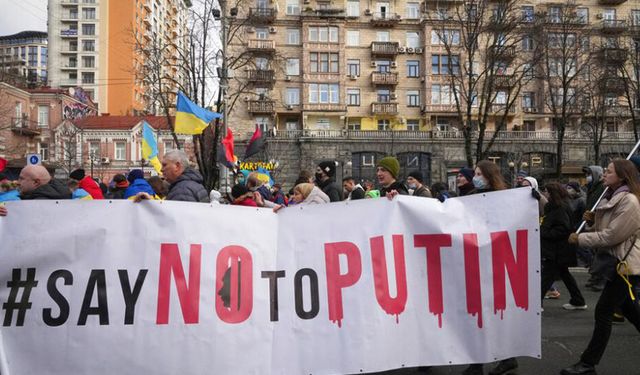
(616, 229)
(55, 189)
(188, 187)
(138, 186)
(316, 196)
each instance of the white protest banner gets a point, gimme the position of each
(92, 287)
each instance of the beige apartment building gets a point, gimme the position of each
(354, 80)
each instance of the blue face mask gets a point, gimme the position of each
(479, 182)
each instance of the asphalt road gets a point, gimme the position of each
(565, 334)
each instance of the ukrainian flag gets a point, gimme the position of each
(150, 147)
(191, 119)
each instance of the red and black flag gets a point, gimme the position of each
(225, 151)
(256, 143)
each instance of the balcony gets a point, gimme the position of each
(612, 55)
(499, 110)
(330, 12)
(262, 46)
(69, 33)
(501, 53)
(611, 2)
(262, 15)
(504, 81)
(613, 26)
(69, 50)
(378, 78)
(384, 109)
(69, 17)
(69, 2)
(261, 106)
(68, 82)
(439, 108)
(385, 19)
(24, 126)
(324, 107)
(261, 77)
(612, 85)
(384, 48)
(69, 66)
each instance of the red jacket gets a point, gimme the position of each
(245, 202)
(92, 187)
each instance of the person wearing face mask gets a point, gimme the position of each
(325, 174)
(595, 187)
(533, 183)
(415, 183)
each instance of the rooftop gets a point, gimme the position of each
(109, 122)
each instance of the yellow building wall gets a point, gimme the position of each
(122, 16)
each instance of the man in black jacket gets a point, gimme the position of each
(36, 183)
(355, 191)
(325, 173)
(387, 171)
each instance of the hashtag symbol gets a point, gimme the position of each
(16, 284)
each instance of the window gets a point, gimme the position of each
(89, 13)
(383, 36)
(324, 93)
(43, 56)
(555, 14)
(33, 56)
(383, 66)
(528, 100)
(88, 61)
(353, 97)
(293, 7)
(263, 123)
(293, 36)
(445, 37)
(384, 95)
(609, 14)
(88, 29)
(527, 13)
(293, 96)
(529, 126)
(413, 68)
(262, 63)
(413, 98)
(442, 94)
(353, 67)
(94, 149)
(582, 15)
(635, 17)
(121, 148)
(88, 77)
(168, 145)
(445, 64)
(383, 124)
(87, 46)
(353, 8)
(292, 125)
(43, 150)
(560, 68)
(43, 116)
(527, 42)
(323, 123)
(528, 71)
(353, 38)
(413, 125)
(501, 98)
(18, 111)
(413, 39)
(353, 125)
(293, 67)
(262, 33)
(323, 34)
(412, 11)
(322, 62)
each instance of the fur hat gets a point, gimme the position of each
(391, 164)
(328, 167)
(417, 175)
(468, 173)
(78, 174)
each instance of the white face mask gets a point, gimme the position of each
(479, 182)
(412, 186)
(589, 179)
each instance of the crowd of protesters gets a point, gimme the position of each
(609, 246)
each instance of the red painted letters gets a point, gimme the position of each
(335, 280)
(239, 261)
(393, 306)
(433, 243)
(517, 269)
(189, 295)
(472, 276)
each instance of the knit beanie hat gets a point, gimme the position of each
(468, 173)
(391, 164)
(328, 167)
(134, 175)
(78, 174)
(522, 173)
(417, 175)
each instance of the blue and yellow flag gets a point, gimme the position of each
(150, 147)
(190, 118)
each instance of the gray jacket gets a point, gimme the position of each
(188, 187)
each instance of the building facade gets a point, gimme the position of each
(93, 45)
(355, 80)
(25, 54)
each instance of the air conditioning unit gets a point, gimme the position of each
(367, 12)
(418, 50)
(353, 77)
(409, 50)
(400, 49)
(393, 64)
(273, 30)
(599, 16)
(105, 160)
(394, 96)
(530, 110)
(288, 106)
(373, 64)
(287, 78)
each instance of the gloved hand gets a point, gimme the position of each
(535, 194)
(589, 217)
(573, 238)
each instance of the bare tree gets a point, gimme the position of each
(486, 67)
(69, 140)
(630, 73)
(567, 57)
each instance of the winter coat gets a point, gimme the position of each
(617, 223)
(92, 187)
(595, 188)
(356, 193)
(140, 185)
(331, 188)
(116, 193)
(55, 189)
(555, 229)
(465, 189)
(188, 187)
(316, 196)
(397, 186)
(11, 195)
(577, 205)
(422, 191)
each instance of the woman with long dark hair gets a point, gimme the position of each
(557, 254)
(616, 225)
(487, 178)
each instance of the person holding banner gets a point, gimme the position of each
(616, 227)
(387, 171)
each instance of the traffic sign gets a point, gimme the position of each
(33, 159)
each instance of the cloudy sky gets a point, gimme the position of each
(20, 15)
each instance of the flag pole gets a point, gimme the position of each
(584, 222)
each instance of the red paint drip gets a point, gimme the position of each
(337, 281)
(472, 276)
(391, 305)
(432, 243)
(516, 268)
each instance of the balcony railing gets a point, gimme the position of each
(390, 109)
(499, 109)
(614, 26)
(378, 78)
(612, 55)
(69, 32)
(262, 45)
(385, 19)
(262, 15)
(324, 107)
(261, 76)
(611, 2)
(502, 52)
(261, 106)
(24, 126)
(504, 81)
(384, 48)
(613, 85)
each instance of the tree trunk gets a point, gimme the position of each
(561, 130)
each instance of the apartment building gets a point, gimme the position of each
(92, 44)
(25, 54)
(356, 80)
